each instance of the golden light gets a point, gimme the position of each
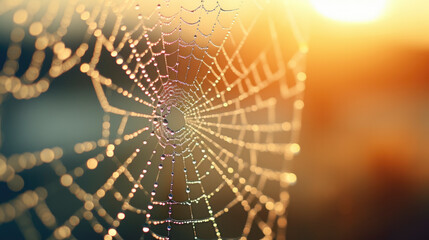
(350, 10)
(91, 163)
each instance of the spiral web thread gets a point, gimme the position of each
(222, 64)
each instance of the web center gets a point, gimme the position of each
(176, 119)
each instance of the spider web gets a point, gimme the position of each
(202, 103)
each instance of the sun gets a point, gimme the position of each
(351, 10)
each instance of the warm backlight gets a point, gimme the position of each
(350, 10)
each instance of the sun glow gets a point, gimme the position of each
(350, 10)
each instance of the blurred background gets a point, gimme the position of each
(363, 172)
